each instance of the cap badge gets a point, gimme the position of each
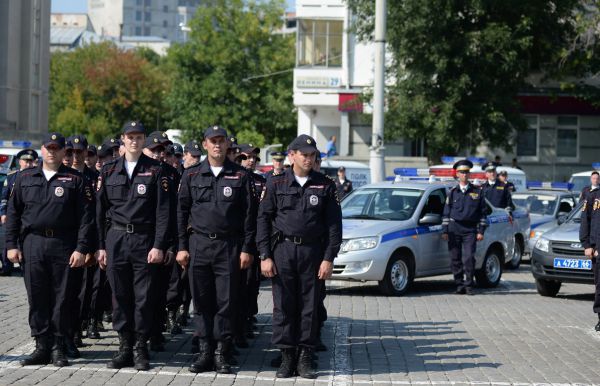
(53, 137)
(132, 123)
(76, 140)
(308, 141)
(155, 140)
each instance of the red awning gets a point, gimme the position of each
(560, 105)
(350, 102)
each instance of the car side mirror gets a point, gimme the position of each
(431, 219)
(561, 219)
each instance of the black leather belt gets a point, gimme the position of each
(54, 233)
(216, 236)
(301, 240)
(133, 228)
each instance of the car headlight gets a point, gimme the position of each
(535, 234)
(543, 244)
(359, 244)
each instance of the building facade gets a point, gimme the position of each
(24, 69)
(161, 18)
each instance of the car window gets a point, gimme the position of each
(580, 182)
(381, 204)
(543, 204)
(566, 204)
(435, 203)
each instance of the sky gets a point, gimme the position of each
(80, 6)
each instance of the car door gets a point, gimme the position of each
(433, 251)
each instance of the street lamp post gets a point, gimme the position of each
(376, 161)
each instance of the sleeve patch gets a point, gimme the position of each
(164, 183)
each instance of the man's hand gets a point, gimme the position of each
(183, 258)
(445, 236)
(155, 256)
(77, 259)
(325, 270)
(267, 268)
(101, 258)
(479, 237)
(245, 260)
(14, 255)
(169, 258)
(589, 252)
(3, 219)
(89, 260)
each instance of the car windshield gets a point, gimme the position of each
(381, 204)
(575, 214)
(543, 204)
(580, 182)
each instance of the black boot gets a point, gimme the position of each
(204, 362)
(173, 323)
(305, 368)
(156, 343)
(92, 330)
(77, 339)
(141, 358)
(124, 357)
(183, 318)
(108, 317)
(59, 359)
(288, 363)
(70, 348)
(221, 352)
(99, 325)
(41, 354)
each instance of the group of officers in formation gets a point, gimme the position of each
(140, 227)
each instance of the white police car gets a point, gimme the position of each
(582, 179)
(392, 235)
(545, 202)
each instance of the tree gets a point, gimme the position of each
(94, 90)
(458, 65)
(235, 71)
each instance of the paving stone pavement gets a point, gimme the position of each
(505, 336)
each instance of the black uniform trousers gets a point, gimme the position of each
(46, 273)
(131, 279)
(462, 242)
(75, 290)
(214, 277)
(253, 287)
(163, 275)
(101, 297)
(297, 293)
(596, 270)
(243, 302)
(179, 289)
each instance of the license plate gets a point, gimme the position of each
(573, 264)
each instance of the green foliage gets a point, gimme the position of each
(217, 75)
(459, 65)
(95, 89)
(251, 136)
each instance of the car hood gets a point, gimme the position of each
(566, 232)
(537, 220)
(365, 228)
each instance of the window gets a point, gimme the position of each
(138, 31)
(527, 140)
(165, 24)
(147, 16)
(138, 15)
(138, 2)
(165, 8)
(320, 43)
(566, 137)
(147, 3)
(146, 31)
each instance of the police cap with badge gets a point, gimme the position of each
(78, 142)
(27, 155)
(489, 167)
(304, 144)
(278, 155)
(177, 148)
(133, 127)
(193, 148)
(153, 142)
(55, 139)
(215, 131)
(92, 150)
(463, 166)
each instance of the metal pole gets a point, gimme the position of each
(376, 162)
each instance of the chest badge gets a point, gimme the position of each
(141, 189)
(227, 191)
(59, 191)
(314, 200)
(474, 196)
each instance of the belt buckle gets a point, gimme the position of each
(212, 236)
(129, 228)
(49, 232)
(297, 240)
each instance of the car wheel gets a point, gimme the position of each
(547, 287)
(491, 271)
(399, 275)
(517, 256)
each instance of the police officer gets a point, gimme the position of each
(68, 158)
(594, 185)
(216, 198)
(191, 153)
(299, 233)
(91, 156)
(278, 158)
(134, 193)
(503, 177)
(463, 223)
(26, 158)
(48, 228)
(176, 159)
(589, 235)
(342, 183)
(496, 191)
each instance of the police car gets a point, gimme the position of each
(558, 257)
(582, 179)
(546, 202)
(392, 235)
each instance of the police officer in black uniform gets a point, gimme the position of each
(278, 158)
(589, 235)
(216, 198)
(463, 224)
(49, 225)
(342, 183)
(594, 185)
(299, 233)
(503, 177)
(135, 194)
(496, 191)
(25, 159)
(91, 156)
